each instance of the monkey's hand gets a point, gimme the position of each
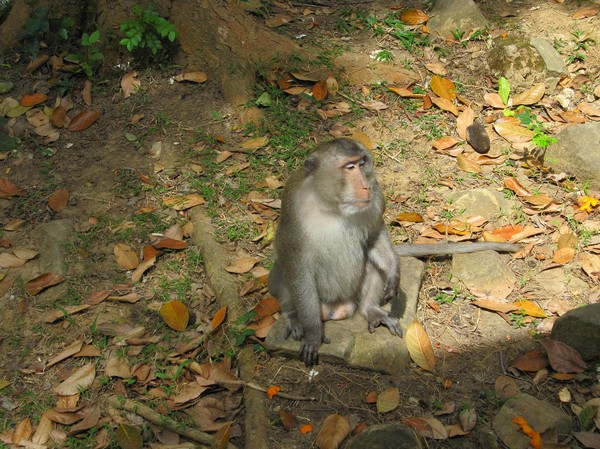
(310, 349)
(381, 318)
(293, 328)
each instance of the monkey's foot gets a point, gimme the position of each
(309, 353)
(383, 319)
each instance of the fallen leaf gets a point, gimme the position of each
(58, 200)
(514, 185)
(267, 306)
(530, 96)
(468, 165)
(43, 431)
(242, 265)
(255, 144)
(56, 315)
(116, 366)
(443, 88)
(8, 189)
(334, 430)
(465, 119)
(468, 419)
(419, 346)
(175, 314)
(222, 436)
(319, 90)
(43, 281)
(23, 432)
(590, 263)
(445, 105)
(86, 93)
(494, 100)
(411, 217)
(512, 132)
(277, 20)
(79, 381)
(8, 260)
(129, 437)
(33, 99)
(495, 306)
(306, 428)
(184, 202)
(535, 440)
(273, 390)
(388, 400)
(288, 419)
(126, 256)
(194, 77)
(219, 317)
(563, 358)
(413, 17)
(404, 92)
(443, 143)
(139, 271)
(130, 84)
(83, 120)
(169, 243)
(530, 308)
(530, 362)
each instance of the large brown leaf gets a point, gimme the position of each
(36, 285)
(335, 428)
(83, 120)
(419, 346)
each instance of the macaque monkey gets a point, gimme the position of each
(333, 253)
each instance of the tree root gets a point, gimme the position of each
(225, 287)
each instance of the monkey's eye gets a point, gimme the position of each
(351, 166)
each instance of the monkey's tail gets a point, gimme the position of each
(445, 249)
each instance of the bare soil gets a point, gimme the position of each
(104, 172)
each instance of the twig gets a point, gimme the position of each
(162, 420)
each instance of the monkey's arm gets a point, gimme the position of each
(444, 249)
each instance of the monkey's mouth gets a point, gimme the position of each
(361, 203)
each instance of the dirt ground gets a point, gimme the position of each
(104, 170)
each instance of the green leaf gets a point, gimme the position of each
(94, 37)
(503, 89)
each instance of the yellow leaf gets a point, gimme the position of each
(175, 314)
(530, 308)
(419, 346)
(388, 400)
(184, 202)
(512, 132)
(443, 87)
(255, 144)
(467, 164)
(530, 96)
(587, 203)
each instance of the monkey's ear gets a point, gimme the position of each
(310, 164)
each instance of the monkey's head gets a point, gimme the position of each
(342, 174)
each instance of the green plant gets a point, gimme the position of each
(39, 28)
(148, 31)
(517, 318)
(386, 56)
(446, 296)
(89, 55)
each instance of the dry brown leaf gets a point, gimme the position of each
(184, 202)
(495, 306)
(436, 67)
(590, 263)
(219, 317)
(563, 358)
(530, 362)
(130, 84)
(139, 271)
(332, 86)
(263, 326)
(175, 314)
(117, 366)
(319, 90)
(97, 297)
(589, 109)
(73, 348)
(445, 105)
(288, 419)
(468, 420)
(413, 17)
(8, 260)
(58, 200)
(514, 185)
(43, 281)
(194, 77)
(243, 265)
(126, 256)
(464, 120)
(443, 88)
(83, 120)
(43, 431)
(539, 200)
(169, 243)
(411, 217)
(86, 93)
(80, 380)
(33, 99)
(419, 346)
(91, 416)
(512, 132)
(467, 164)
(530, 96)
(8, 189)
(255, 144)
(23, 432)
(267, 306)
(36, 117)
(493, 99)
(55, 315)
(388, 400)
(563, 255)
(506, 387)
(443, 143)
(334, 430)
(404, 92)
(59, 115)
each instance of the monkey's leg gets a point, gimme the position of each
(384, 258)
(308, 308)
(371, 294)
(278, 289)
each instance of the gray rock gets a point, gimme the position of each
(524, 62)
(386, 436)
(352, 344)
(487, 203)
(450, 15)
(576, 152)
(580, 329)
(541, 416)
(556, 283)
(485, 272)
(51, 238)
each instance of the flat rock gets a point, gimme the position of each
(557, 283)
(484, 272)
(385, 436)
(580, 329)
(51, 238)
(361, 69)
(576, 152)
(485, 202)
(450, 15)
(352, 344)
(540, 415)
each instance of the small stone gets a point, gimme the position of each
(580, 329)
(385, 436)
(478, 138)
